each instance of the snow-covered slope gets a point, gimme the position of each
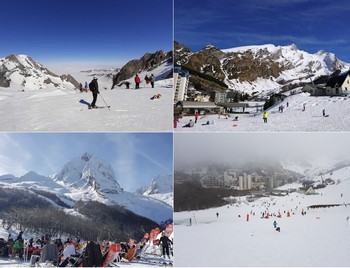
(293, 118)
(21, 72)
(57, 110)
(317, 238)
(34, 99)
(89, 178)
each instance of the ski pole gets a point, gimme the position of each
(105, 101)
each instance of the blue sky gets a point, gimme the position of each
(136, 158)
(312, 25)
(93, 31)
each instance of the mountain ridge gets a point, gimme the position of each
(255, 69)
(89, 178)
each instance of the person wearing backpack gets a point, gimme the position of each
(93, 86)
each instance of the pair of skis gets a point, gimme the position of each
(100, 107)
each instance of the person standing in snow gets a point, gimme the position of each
(86, 86)
(176, 120)
(196, 117)
(265, 115)
(93, 86)
(275, 224)
(137, 81)
(147, 79)
(217, 214)
(152, 79)
(165, 241)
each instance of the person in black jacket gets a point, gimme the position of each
(164, 241)
(93, 86)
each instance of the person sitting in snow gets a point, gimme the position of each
(189, 124)
(156, 97)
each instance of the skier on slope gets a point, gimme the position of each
(152, 79)
(275, 224)
(164, 241)
(265, 115)
(93, 86)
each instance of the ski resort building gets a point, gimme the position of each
(181, 79)
(245, 182)
(213, 182)
(335, 86)
(339, 85)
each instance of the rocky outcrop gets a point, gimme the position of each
(70, 79)
(147, 62)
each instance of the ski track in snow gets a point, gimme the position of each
(56, 110)
(293, 119)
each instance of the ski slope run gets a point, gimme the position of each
(57, 110)
(320, 238)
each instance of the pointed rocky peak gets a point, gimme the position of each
(293, 47)
(181, 48)
(321, 52)
(212, 51)
(160, 185)
(209, 47)
(87, 173)
(86, 157)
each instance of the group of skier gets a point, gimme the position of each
(94, 88)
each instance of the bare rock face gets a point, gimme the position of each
(147, 62)
(70, 79)
(246, 67)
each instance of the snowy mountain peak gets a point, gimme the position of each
(23, 73)
(293, 47)
(257, 70)
(161, 188)
(89, 173)
(160, 185)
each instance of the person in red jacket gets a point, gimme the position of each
(196, 117)
(137, 82)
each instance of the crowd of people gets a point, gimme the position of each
(78, 252)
